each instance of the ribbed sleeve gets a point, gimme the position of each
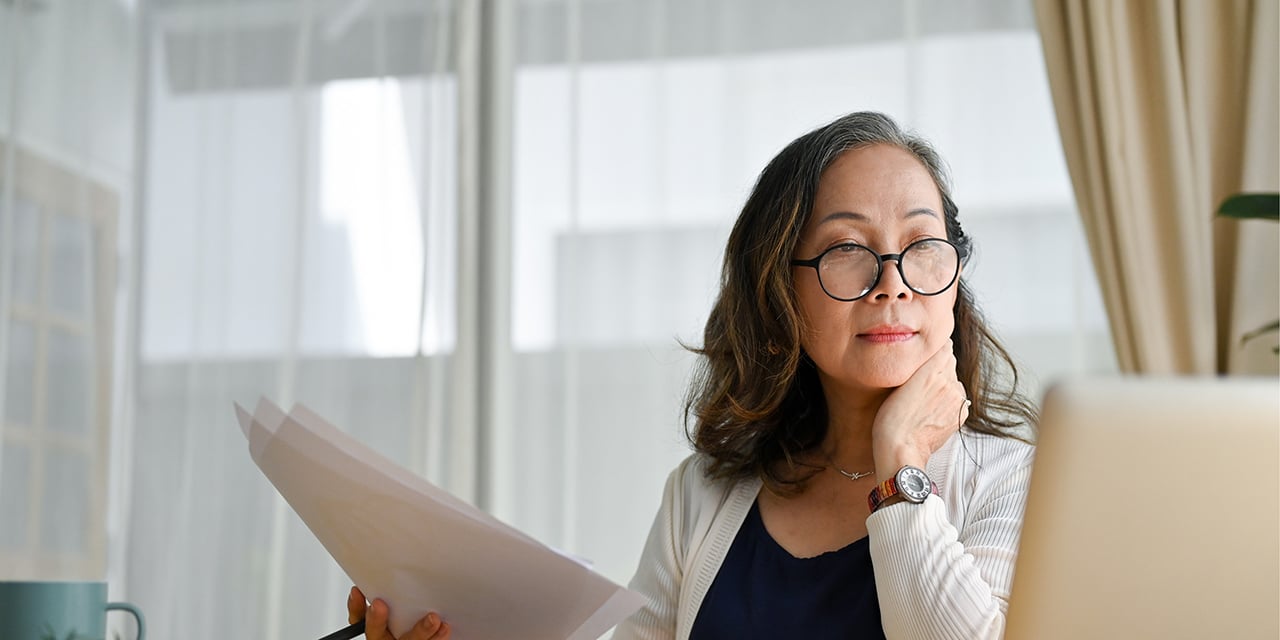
(944, 568)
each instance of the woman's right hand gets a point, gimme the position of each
(918, 417)
(430, 627)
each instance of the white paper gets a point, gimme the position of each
(421, 549)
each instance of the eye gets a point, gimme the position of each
(844, 246)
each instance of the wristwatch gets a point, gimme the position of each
(909, 482)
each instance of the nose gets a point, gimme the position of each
(891, 284)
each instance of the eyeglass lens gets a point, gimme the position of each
(850, 271)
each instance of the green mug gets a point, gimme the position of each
(58, 611)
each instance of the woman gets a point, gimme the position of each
(860, 464)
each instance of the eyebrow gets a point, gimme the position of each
(858, 217)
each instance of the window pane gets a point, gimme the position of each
(26, 252)
(15, 483)
(378, 198)
(65, 509)
(68, 408)
(71, 247)
(19, 399)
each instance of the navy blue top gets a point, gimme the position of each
(762, 591)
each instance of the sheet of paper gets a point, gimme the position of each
(402, 539)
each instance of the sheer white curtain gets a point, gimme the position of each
(469, 232)
(221, 200)
(299, 241)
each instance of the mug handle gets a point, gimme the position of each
(137, 615)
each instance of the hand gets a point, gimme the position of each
(918, 417)
(430, 627)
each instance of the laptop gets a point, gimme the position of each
(1154, 512)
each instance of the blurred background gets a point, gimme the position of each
(472, 234)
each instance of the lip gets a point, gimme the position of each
(888, 334)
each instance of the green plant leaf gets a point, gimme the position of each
(1274, 325)
(1260, 206)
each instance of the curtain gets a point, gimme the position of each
(473, 234)
(302, 239)
(65, 163)
(1165, 109)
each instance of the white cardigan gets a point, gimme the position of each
(943, 568)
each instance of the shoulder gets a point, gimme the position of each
(690, 484)
(697, 505)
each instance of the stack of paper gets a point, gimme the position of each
(418, 547)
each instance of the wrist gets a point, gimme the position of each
(909, 484)
(895, 457)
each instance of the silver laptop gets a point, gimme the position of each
(1154, 512)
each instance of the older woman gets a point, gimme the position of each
(861, 467)
(861, 457)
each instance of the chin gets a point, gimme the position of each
(875, 380)
(857, 372)
(886, 381)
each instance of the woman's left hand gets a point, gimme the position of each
(918, 417)
(430, 627)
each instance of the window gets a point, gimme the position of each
(57, 339)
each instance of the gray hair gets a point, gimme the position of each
(756, 402)
(820, 147)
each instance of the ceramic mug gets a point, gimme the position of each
(59, 611)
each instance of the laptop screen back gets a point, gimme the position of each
(1154, 512)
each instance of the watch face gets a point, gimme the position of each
(913, 483)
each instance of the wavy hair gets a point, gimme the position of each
(755, 399)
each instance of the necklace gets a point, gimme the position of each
(856, 475)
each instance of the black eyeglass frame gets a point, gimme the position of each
(881, 258)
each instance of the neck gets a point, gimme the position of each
(850, 416)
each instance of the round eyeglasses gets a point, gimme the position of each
(848, 272)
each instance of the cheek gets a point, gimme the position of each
(826, 324)
(814, 317)
(811, 302)
(943, 316)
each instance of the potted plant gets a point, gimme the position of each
(1255, 206)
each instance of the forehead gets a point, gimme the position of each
(880, 185)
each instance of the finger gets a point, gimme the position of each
(375, 625)
(427, 628)
(943, 361)
(355, 606)
(441, 630)
(929, 376)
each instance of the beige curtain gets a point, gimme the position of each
(1166, 107)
